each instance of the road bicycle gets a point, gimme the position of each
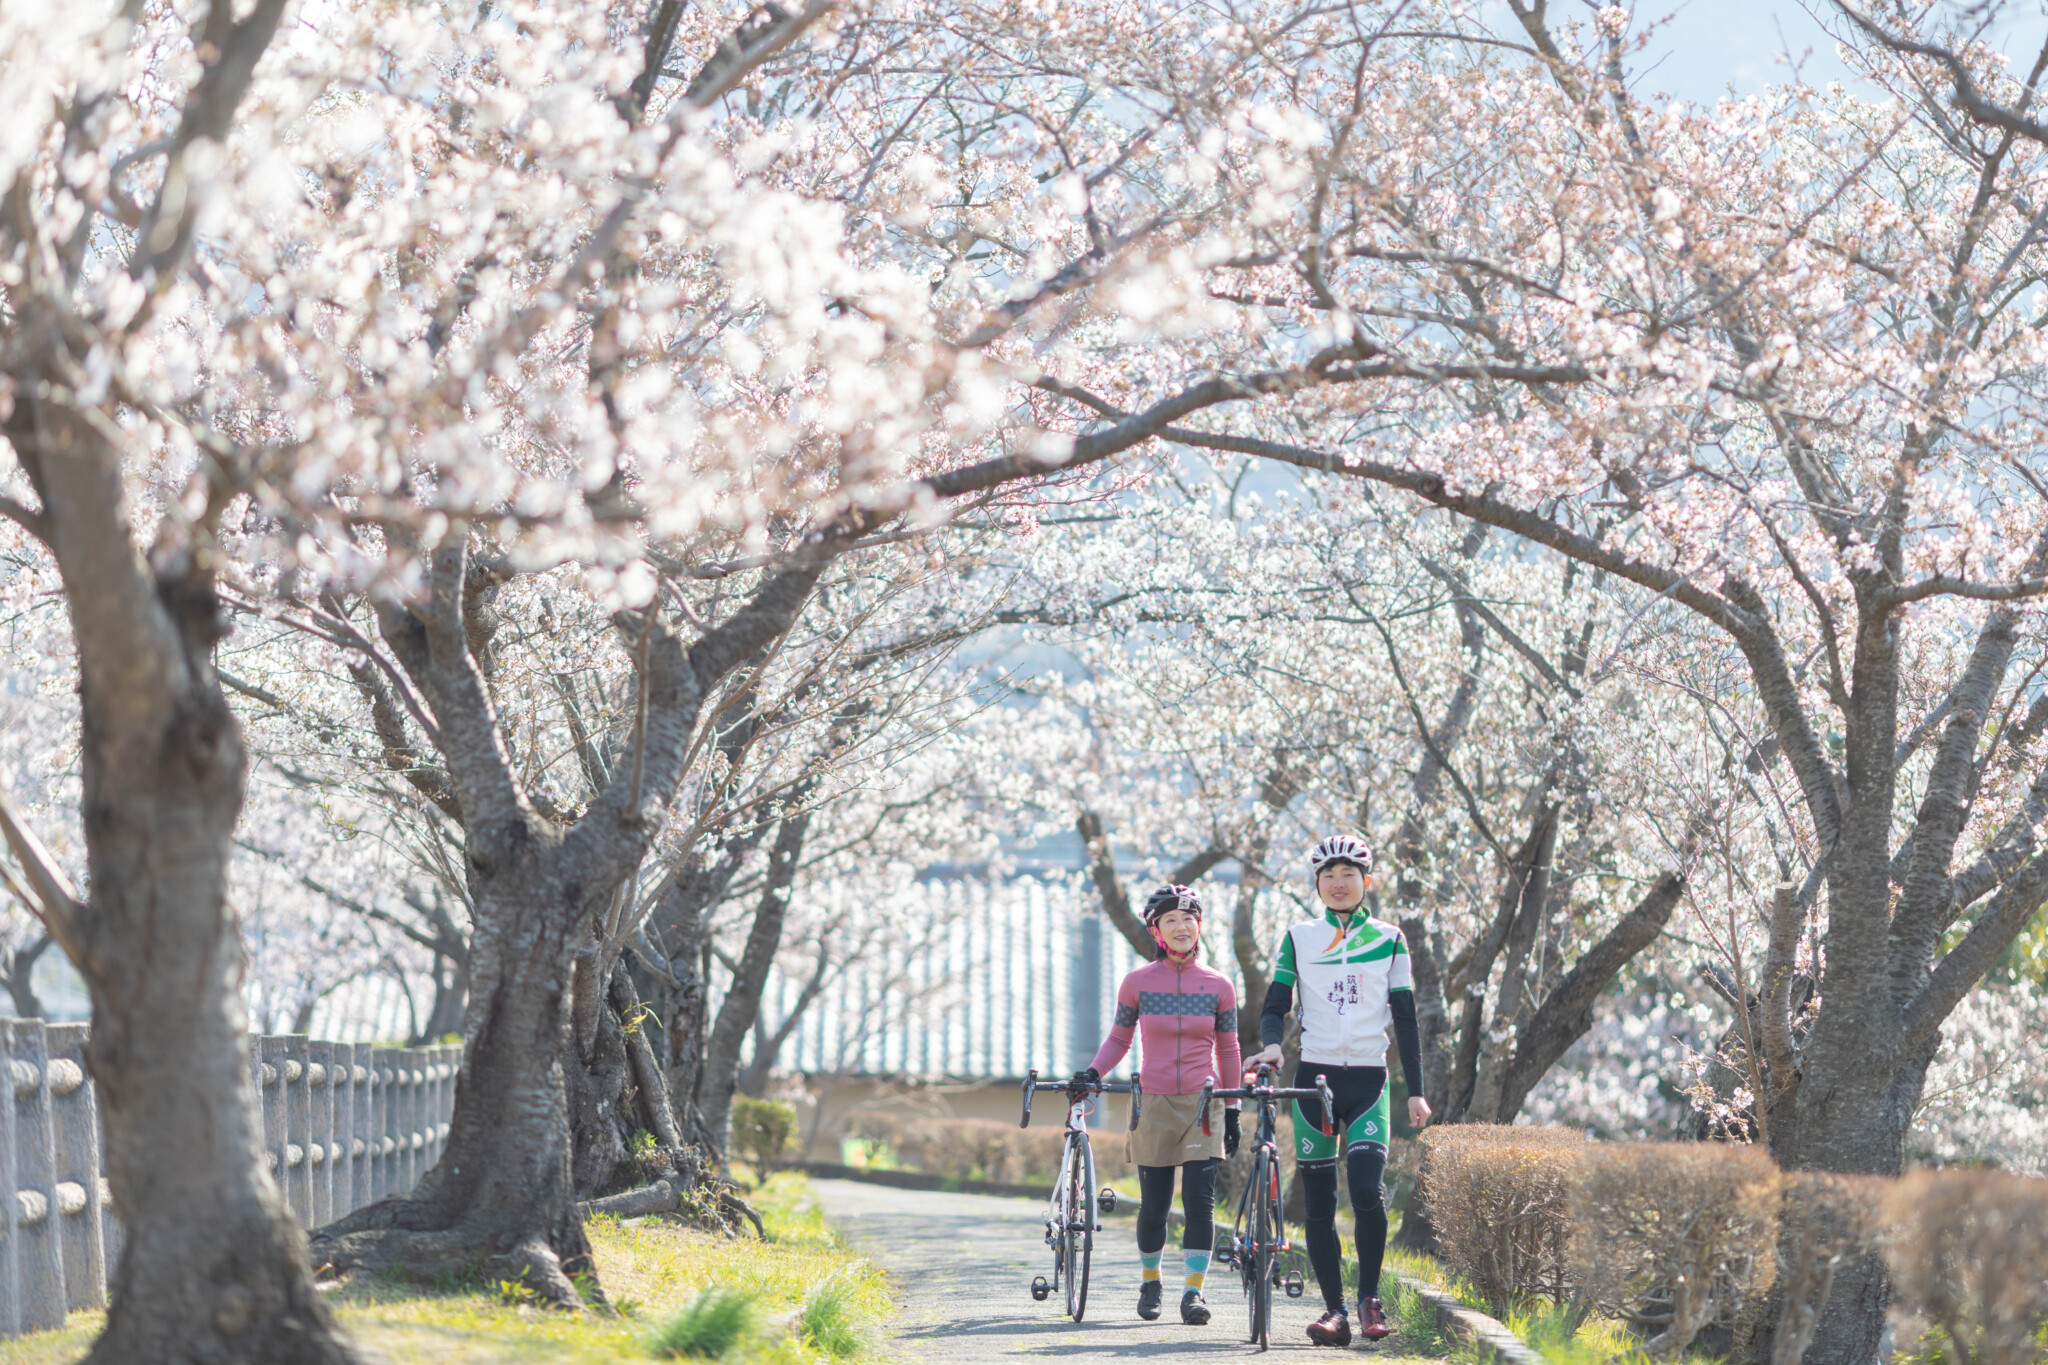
(1259, 1234)
(1070, 1214)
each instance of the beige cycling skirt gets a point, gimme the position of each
(1170, 1131)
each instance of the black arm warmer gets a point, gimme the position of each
(1273, 1014)
(1407, 1037)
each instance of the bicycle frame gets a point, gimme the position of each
(1070, 1214)
(1259, 1232)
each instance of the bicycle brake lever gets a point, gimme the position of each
(1329, 1106)
(1208, 1089)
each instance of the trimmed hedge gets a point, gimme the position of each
(1968, 1252)
(1500, 1199)
(1677, 1238)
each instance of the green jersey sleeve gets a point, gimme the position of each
(1283, 962)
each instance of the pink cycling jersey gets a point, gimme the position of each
(1188, 1016)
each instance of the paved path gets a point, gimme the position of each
(962, 1266)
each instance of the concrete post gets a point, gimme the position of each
(272, 1102)
(75, 1117)
(298, 1119)
(320, 1131)
(340, 1154)
(387, 1121)
(411, 1094)
(35, 1179)
(359, 1126)
(450, 1062)
(12, 1234)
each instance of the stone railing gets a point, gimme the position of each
(344, 1124)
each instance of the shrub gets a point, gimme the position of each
(1675, 1234)
(763, 1129)
(715, 1322)
(1967, 1251)
(1500, 1199)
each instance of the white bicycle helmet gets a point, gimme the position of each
(1341, 848)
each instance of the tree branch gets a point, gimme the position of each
(48, 894)
(1966, 963)
(1567, 1012)
(1780, 966)
(28, 520)
(1116, 905)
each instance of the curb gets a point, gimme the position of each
(1495, 1344)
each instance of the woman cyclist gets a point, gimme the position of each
(1188, 1015)
(1355, 978)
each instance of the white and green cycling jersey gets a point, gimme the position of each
(1343, 970)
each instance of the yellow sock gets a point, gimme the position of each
(1198, 1267)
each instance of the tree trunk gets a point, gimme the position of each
(451, 998)
(617, 1093)
(768, 1043)
(502, 1199)
(742, 1003)
(21, 978)
(212, 1268)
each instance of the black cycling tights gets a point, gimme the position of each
(1365, 1165)
(1197, 1201)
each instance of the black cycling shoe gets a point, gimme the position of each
(1331, 1329)
(1149, 1294)
(1193, 1311)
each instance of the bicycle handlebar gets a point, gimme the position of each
(1135, 1090)
(1268, 1091)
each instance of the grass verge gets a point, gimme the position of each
(807, 1300)
(1542, 1325)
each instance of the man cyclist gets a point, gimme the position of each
(1354, 977)
(1188, 1015)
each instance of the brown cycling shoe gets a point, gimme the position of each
(1372, 1323)
(1331, 1329)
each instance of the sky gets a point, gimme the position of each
(1699, 49)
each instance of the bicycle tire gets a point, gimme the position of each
(1264, 1208)
(1080, 1233)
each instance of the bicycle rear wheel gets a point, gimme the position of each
(1259, 1283)
(1080, 1234)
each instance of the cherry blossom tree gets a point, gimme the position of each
(1772, 364)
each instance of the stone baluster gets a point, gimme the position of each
(76, 1122)
(40, 1251)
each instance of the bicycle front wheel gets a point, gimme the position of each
(1265, 1222)
(1080, 1235)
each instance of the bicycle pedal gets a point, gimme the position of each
(1040, 1290)
(1295, 1286)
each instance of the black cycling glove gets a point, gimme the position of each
(1086, 1077)
(1231, 1133)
